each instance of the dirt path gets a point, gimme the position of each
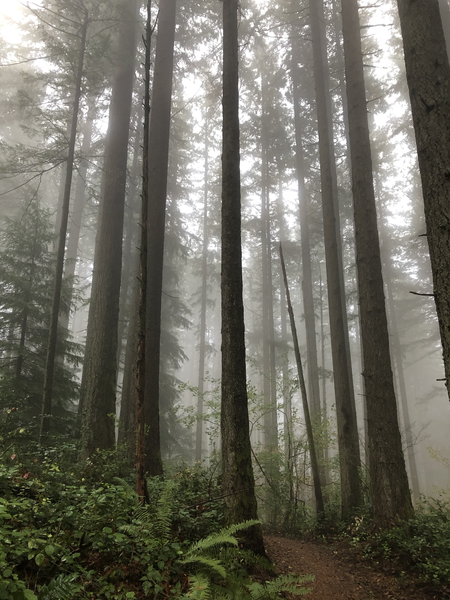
(338, 574)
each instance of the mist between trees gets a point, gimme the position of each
(152, 160)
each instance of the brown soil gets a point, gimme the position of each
(340, 574)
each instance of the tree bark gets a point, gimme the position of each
(237, 472)
(157, 194)
(348, 442)
(141, 482)
(53, 333)
(77, 211)
(428, 75)
(309, 430)
(203, 305)
(98, 394)
(391, 498)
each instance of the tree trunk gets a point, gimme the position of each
(77, 211)
(98, 394)
(428, 75)
(141, 482)
(53, 333)
(157, 193)
(307, 286)
(130, 236)
(391, 499)
(203, 306)
(348, 441)
(266, 294)
(309, 431)
(397, 354)
(237, 471)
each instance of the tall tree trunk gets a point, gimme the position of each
(53, 333)
(128, 246)
(428, 75)
(268, 421)
(204, 299)
(326, 450)
(77, 211)
(309, 430)
(157, 193)
(397, 352)
(237, 472)
(127, 429)
(307, 287)
(98, 394)
(348, 441)
(391, 499)
(141, 482)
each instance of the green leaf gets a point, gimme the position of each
(7, 573)
(107, 530)
(39, 559)
(29, 595)
(50, 550)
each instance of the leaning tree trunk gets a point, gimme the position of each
(98, 393)
(348, 442)
(158, 157)
(53, 333)
(391, 499)
(237, 472)
(309, 430)
(428, 75)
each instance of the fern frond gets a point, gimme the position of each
(63, 587)
(283, 583)
(199, 588)
(233, 529)
(215, 539)
(204, 561)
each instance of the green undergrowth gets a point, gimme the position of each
(78, 532)
(420, 546)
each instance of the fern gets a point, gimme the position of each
(283, 583)
(199, 588)
(219, 555)
(153, 525)
(63, 587)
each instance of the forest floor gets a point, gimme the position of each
(341, 572)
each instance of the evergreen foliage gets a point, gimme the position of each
(26, 275)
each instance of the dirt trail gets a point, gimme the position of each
(339, 575)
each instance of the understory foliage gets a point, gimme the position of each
(74, 532)
(419, 545)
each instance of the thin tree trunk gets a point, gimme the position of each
(141, 482)
(324, 379)
(98, 393)
(268, 422)
(53, 333)
(77, 213)
(307, 287)
(309, 430)
(428, 75)
(237, 472)
(203, 306)
(157, 194)
(348, 442)
(391, 499)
